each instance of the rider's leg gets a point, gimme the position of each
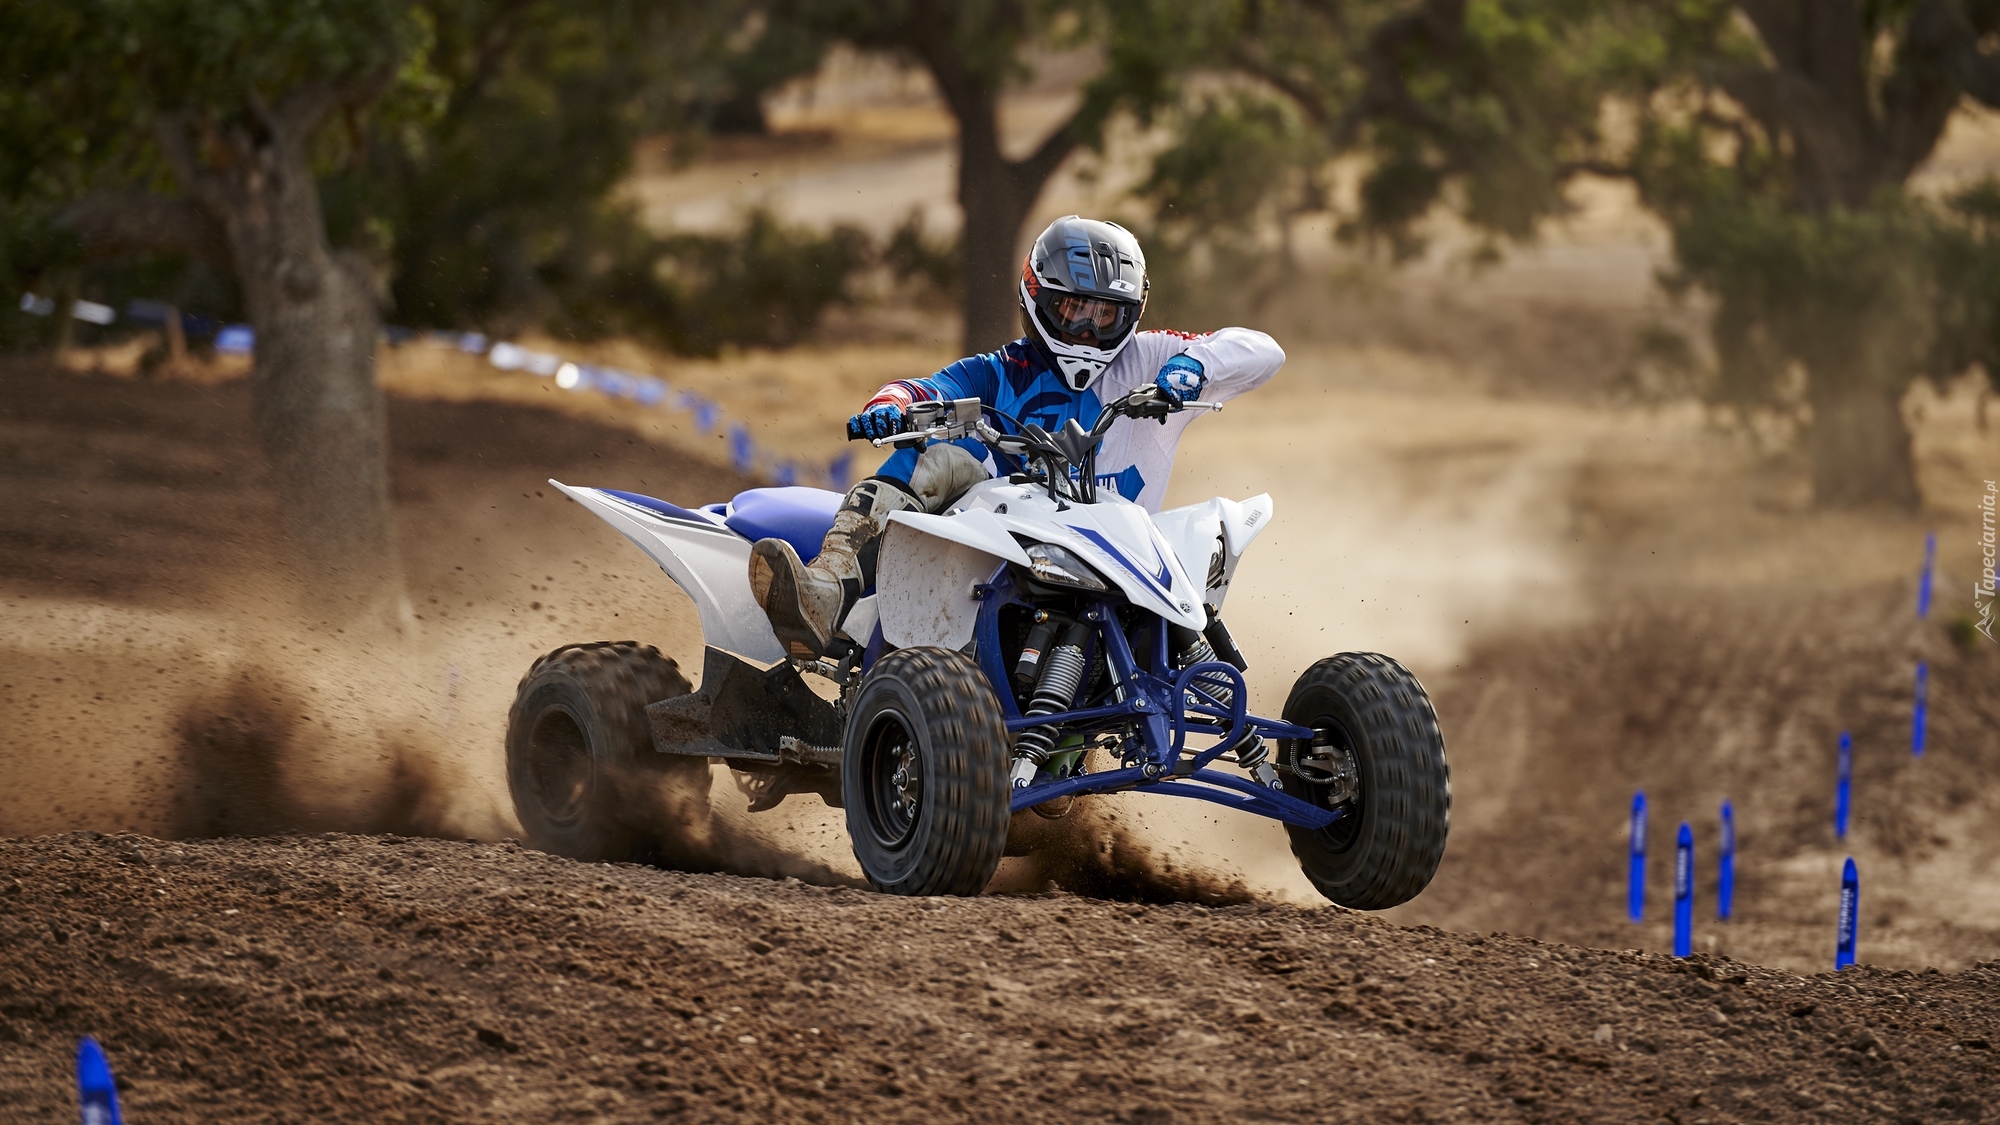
(806, 603)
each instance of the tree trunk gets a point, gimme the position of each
(994, 202)
(994, 193)
(318, 412)
(1860, 447)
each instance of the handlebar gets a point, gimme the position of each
(960, 418)
(1063, 461)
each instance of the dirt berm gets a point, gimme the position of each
(383, 979)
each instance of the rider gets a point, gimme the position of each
(1083, 288)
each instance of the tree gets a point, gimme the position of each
(972, 51)
(194, 127)
(1431, 103)
(1775, 137)
(1780, 158)
(457, 157)
(502, 210)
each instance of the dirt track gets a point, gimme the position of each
(359, 979)
(152, 680)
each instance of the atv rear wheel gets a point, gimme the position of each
(1380, 756)
(924, 775)
(586, 780)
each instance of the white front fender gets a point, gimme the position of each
(1244, 520)
(1194, 531)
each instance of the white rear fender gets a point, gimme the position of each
(709, 561)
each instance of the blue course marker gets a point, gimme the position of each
(1725, 870)
(1919, 714)
(1850, 915)
(1924, 580)
(1635, 878)
(96, 1093)
(1684, 891)
(1843, 794)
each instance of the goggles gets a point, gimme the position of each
(1086, 320)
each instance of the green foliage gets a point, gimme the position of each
(1223, 194)
(499, 212)
(87, 83)
(484, 210)
(763, 285)
(88, 78)
(1847, 295)
(1828, 279)
(1966, 305)
(1483, 103)
(917, 258)
(1239, 164)
(474, 159)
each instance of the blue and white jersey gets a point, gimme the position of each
(1137, 455)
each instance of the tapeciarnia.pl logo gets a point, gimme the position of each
(1982, 590)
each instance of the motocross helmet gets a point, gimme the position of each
(1083, 288)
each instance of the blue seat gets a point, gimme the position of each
(800, 516)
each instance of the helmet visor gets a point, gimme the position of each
(1091, 321)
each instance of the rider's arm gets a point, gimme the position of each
(972, 377)
(1234, 360)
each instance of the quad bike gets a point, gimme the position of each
(1041, 641)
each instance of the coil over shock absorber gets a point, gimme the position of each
(1214, 643)
(1062, 673)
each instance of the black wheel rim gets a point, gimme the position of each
(559, 766)
(1342, 833)
(892, 772)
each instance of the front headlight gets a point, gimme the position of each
(1059, 567)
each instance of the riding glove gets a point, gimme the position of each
(884, 419)
(1181, 379)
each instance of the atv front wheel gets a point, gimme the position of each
(924, 775)
(586, 780)
(1377, 755)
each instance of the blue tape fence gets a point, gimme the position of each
(1850, 916)
(1918, 713)
(646, 391)
(1843, 791)
(1843, 815)
(1684, 891)
(1635, 875)
(96, 1091)
(1924, 580)
(1725, 866)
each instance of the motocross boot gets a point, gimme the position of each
(806, 603)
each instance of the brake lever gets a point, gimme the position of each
(912, 437)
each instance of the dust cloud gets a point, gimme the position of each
(187, 724)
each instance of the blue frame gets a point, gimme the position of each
(1164, 762)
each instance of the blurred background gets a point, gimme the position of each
(1636, 350)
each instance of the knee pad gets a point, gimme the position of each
(943, 474)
